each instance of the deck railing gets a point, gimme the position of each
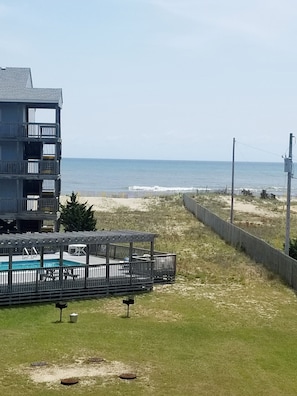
(29, 285)
(31, 130)
(37, 130)
(44, 205)
(31, 167)
(164, 263)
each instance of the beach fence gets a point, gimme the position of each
(257, 249)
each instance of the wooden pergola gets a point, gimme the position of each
(18, 242)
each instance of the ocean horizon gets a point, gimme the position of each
(133, 178)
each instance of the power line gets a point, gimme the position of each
(259, 149)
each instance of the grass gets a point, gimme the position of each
(269, 223)
(226, 327)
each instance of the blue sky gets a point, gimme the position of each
(162, 79)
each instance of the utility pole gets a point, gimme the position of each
(232, 187)
(288, 169)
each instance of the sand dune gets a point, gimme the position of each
(107, 204)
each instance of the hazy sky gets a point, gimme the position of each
(162, 79)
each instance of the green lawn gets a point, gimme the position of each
(226, 327)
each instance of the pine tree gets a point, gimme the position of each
(77, 216)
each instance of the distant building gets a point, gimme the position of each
(30, 153)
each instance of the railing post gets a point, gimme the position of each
(87, 265)
(130, 261)
(37, 279)
(41, 256)
(9, 275)
(152, 259)
(107, 263)
(61, 266)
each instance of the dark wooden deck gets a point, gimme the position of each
(41, 285)
(88, 277)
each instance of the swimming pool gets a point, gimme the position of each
(33, 264)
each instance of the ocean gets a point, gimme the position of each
(137, 178)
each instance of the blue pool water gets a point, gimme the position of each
(32, 264)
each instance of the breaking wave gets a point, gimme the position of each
(162, 189)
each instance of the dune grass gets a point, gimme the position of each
(226, 327)
(268, 222)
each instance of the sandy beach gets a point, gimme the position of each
(107, 204)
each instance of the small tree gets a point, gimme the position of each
(293, 248)
(77, 216)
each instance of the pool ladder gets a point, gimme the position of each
(30, 252)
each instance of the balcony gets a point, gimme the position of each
(40, 131)
(31, 167)
(30, 130)
(31, 206)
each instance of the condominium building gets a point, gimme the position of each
(30, 153)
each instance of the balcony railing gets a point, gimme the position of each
(31, 167)
(32, 130)
(36, 130)
(43, 205)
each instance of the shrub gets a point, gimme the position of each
(77, 216)
(293, 248)
(246, 193)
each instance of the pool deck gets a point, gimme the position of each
(93, 260)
